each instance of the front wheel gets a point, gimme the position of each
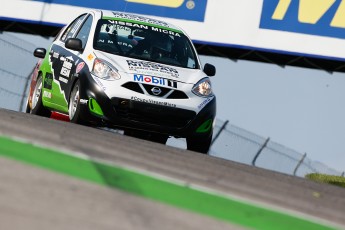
(199, 144)
(37, 105)
(74, 104)
(28, 109)
(155, 137)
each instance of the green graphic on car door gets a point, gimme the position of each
(56, 85)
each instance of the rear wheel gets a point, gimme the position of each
(37, 105)
(199, 144)
(74, 104)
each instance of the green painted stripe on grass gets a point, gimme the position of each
(146, 186)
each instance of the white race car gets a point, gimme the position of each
(129, 72)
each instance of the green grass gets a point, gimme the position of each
(329, 179)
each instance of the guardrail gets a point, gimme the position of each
(237, 144)
(229, 141)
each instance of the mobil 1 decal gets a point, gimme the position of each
(154, 80)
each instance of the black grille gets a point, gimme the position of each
(133, 86)
(177, 94)
(152, 114)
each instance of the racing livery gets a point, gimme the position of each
(130, 72)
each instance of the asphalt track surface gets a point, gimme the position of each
(34, 198)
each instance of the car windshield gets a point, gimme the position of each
(146, 42)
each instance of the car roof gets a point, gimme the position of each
(138, 18)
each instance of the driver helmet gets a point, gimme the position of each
(161, 46)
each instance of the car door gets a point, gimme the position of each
(63, 62)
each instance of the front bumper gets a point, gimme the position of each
(130, 114)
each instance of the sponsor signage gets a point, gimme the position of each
(142, 66)
(311, 28)
(150, 101)
(181, 9)
(316, 17)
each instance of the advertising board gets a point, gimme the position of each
(311, 28)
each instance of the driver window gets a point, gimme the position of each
(72, 28)
(83, 33)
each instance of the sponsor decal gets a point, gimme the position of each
(149, 66)
(83, 101)
(66, 67)
(165, 31)
(154, 80)
(47, 94)
(79, 67)
(55, 55)
(193, 10)
(131, 24)
(65, 72)
(64, 80)
(140, 26)
(315, 17)
(48, 81)
(204, 103)
(90, 57)
(139, 18)
(70, 58)
(150, 101)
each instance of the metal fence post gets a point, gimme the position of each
(219, 132)
(299, 163)
(260, 150)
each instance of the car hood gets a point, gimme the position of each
(136, 66)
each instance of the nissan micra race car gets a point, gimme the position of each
(124, 71)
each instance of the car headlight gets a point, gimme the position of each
(105, 70)
(203, 88)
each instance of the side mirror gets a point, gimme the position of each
(74, 44)
(210, 70)
(40, 52)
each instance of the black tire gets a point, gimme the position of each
(199, 144)
(28, 109)
(37, 105)
(159, 138)
(74, 104)
(155, 137)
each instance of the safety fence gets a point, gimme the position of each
(16, 63)
(236, 144)
(229, 141)
(240, 145)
